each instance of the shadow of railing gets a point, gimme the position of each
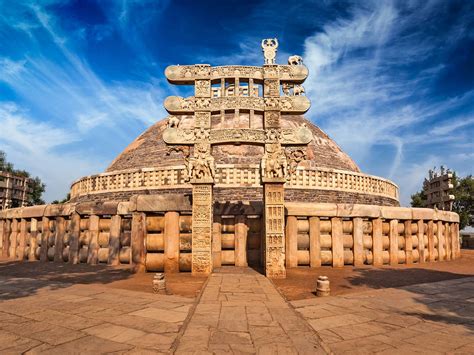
(23, 279)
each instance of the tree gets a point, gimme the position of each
(463, 205)
(418, 199)
(464, 200)
(37, 186)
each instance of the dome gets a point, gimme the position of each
(150, 166)
(149, 150)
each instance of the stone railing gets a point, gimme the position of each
(127, 233)
(338, 235)
(135, 233)
(230, 175)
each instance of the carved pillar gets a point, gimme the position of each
(274, 178)
(202, 179)
(202, 228)
(274, 214)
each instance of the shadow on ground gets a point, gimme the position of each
(22, 279)
(450, 302)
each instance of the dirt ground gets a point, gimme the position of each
(182, 284)
(301, 282)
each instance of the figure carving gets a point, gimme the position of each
(201, 166)
(294, 156)
(298, 90)
(286, 88)
(274, 164)
(201, 134)
(269, 47)
(272, 135)
(295, 60)
(173, 122)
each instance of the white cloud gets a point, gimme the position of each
(364, 96)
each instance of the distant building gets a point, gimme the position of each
(14, 190)
(438, 189)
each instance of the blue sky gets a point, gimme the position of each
(391, 81)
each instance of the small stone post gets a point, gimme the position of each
(171, 239)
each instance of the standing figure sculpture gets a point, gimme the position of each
(274, 163)
(269, 47)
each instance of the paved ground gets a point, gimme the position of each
(88, 319)
(240, 311)
(93, 309)
(432, 318)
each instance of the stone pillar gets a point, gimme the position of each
(440, 235)
(59, 239)
(457, 241)
(408, 243)
(14, 237)
(203, 180)
(314, 242)
(447, 238)
(3, 235)
(33, 240)
(138, 240)
(241, 231)
(421, 240)
(337, 238)
(274, 214)
(217, 242)
(431, 248)
(358, 236)
(393, 237)
(45, 233)
(171, 239)
(291, 241)
(202, 228)
(114, 240)
(92, 257)
(377, 242)
(22, 240)
(74, 238)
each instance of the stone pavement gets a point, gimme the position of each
(240, 311)
(65, 319)
(432, 318)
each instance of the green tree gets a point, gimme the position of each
(418, 199)
(464, 200)
(37, 186)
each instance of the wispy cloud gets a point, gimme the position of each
(60, 87)
(367, 92)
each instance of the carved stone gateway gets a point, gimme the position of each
(230, 96)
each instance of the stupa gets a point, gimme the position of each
(235, 175)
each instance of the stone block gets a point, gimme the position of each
(400, 213)
(422, 213)
(160, 203)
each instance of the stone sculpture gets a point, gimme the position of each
(295, 60)
(298, 90)
(269, 47)
(173, 122)
(274, 164)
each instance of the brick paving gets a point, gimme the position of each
(432, 318)
(240, 311)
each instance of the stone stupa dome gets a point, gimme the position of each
(131, 171)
